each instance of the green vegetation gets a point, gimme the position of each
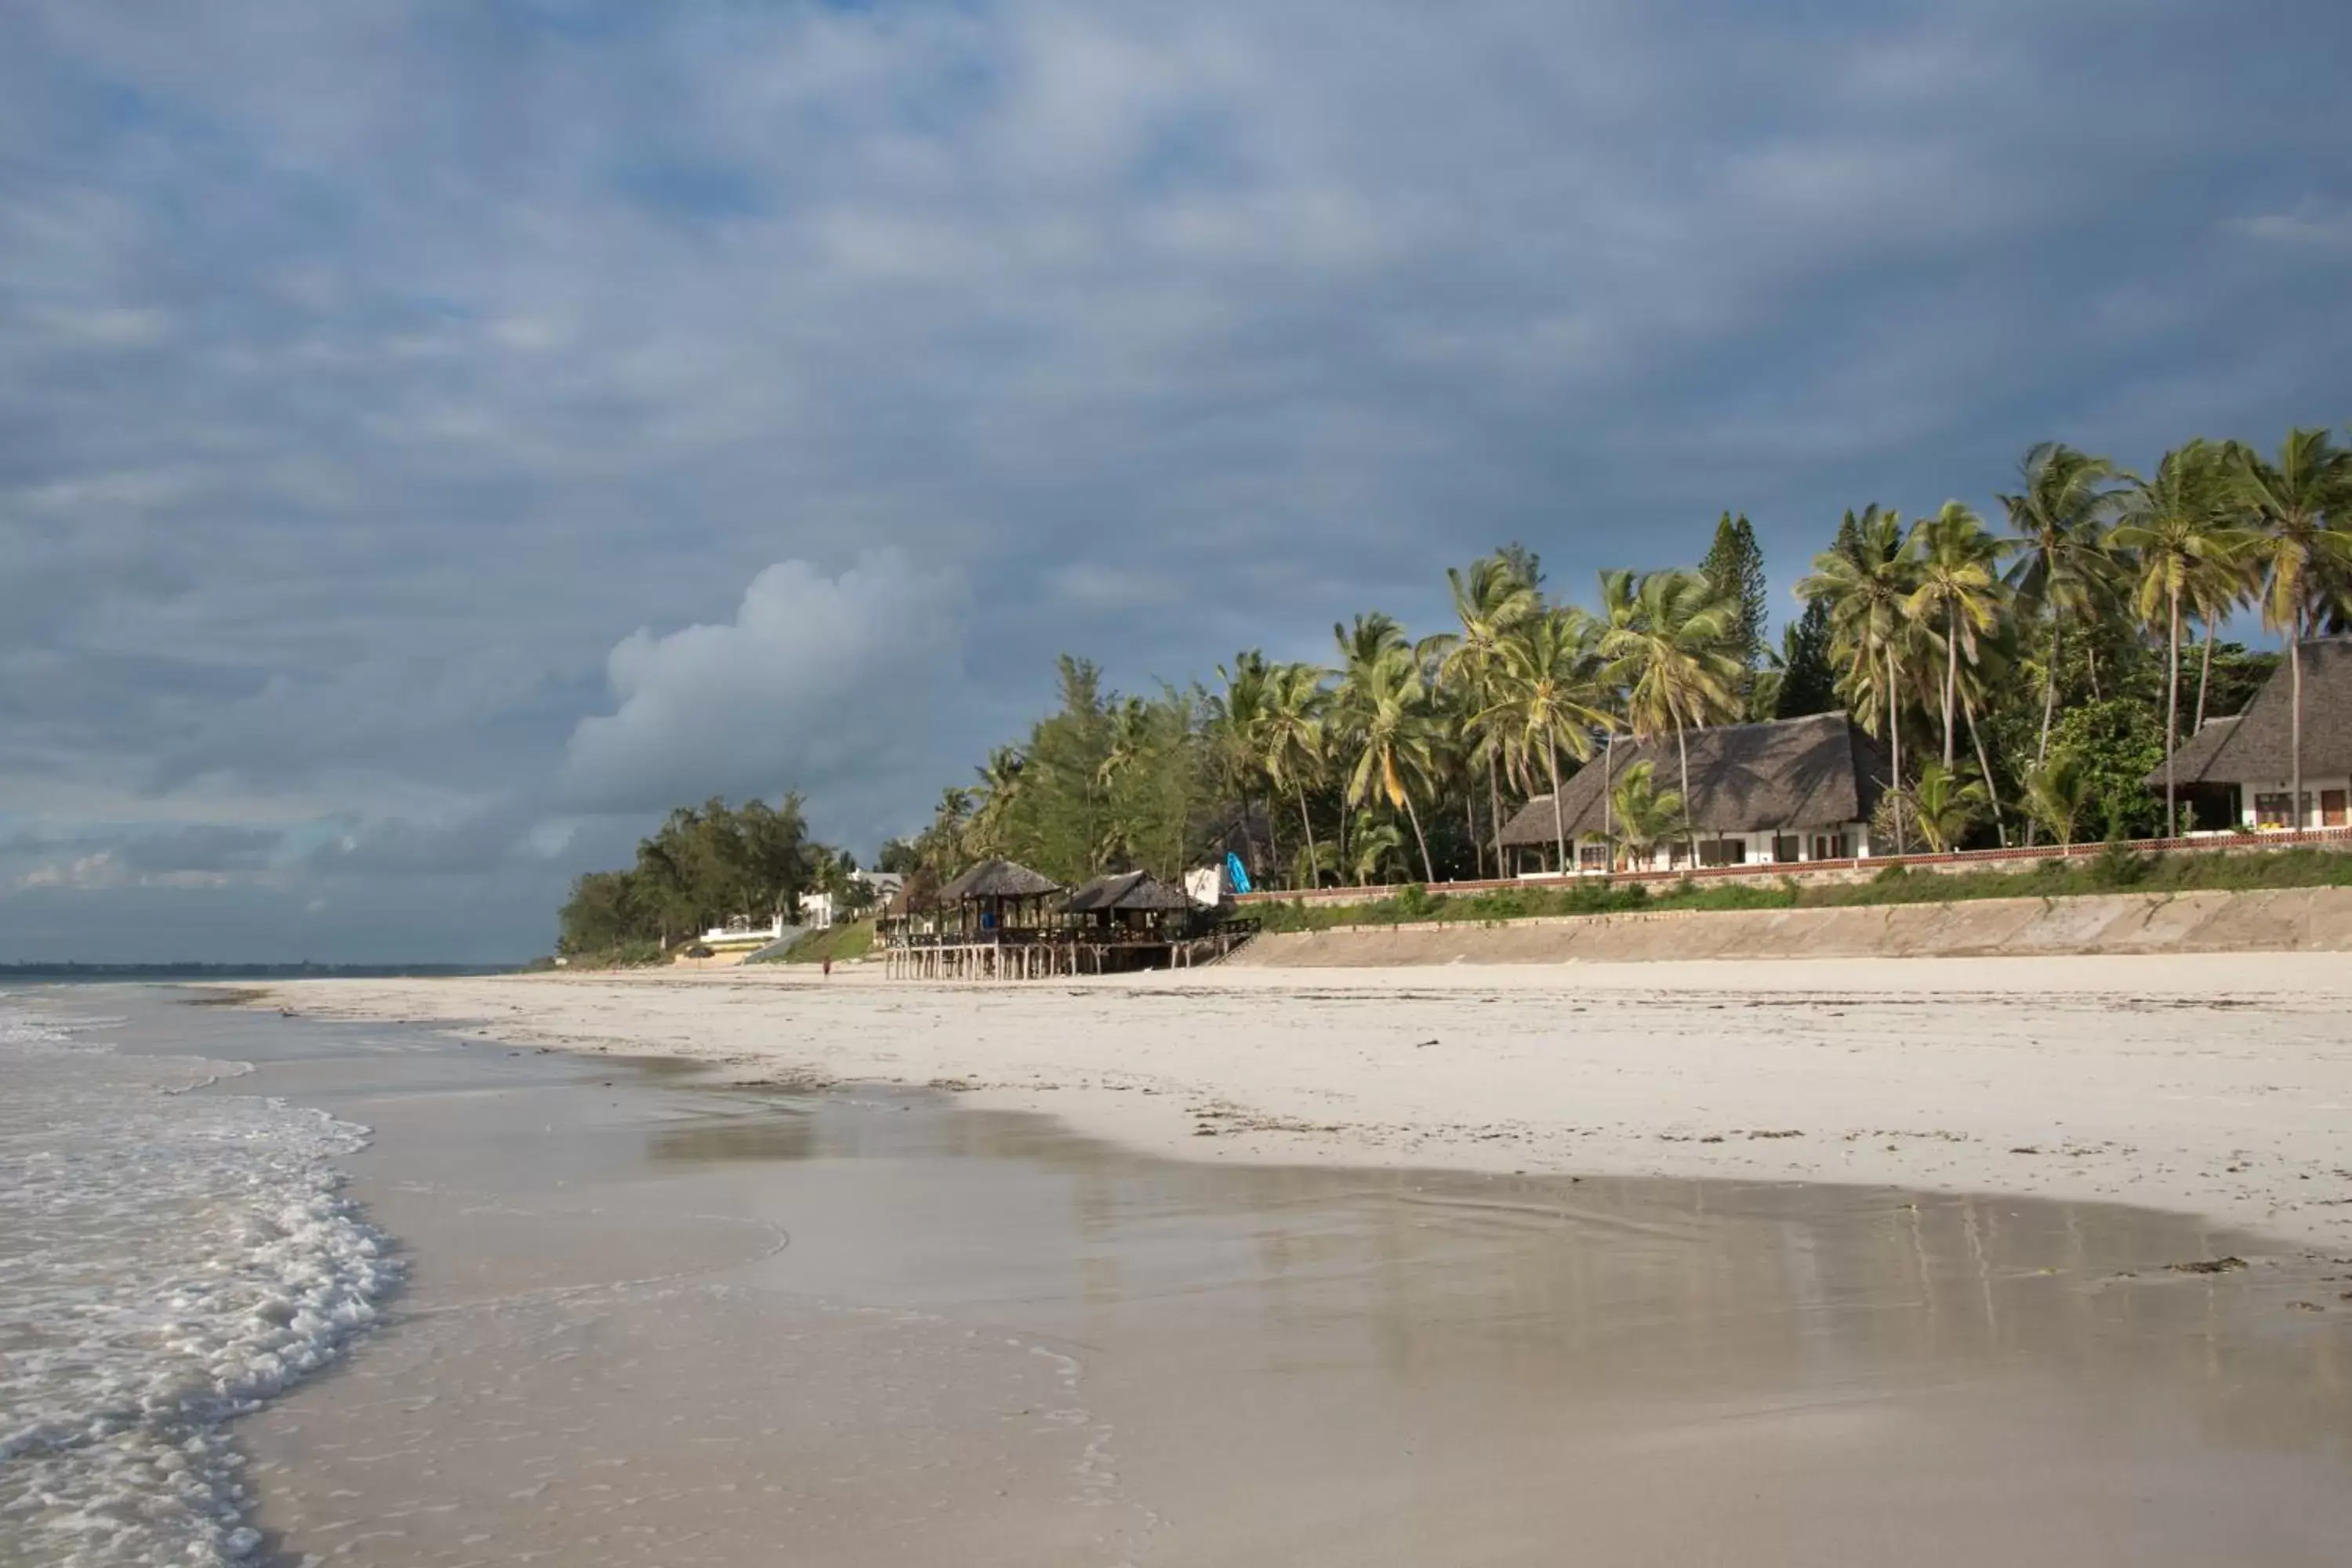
(2117, 868)
(708, 866)
(2026, 680)
(838, 944)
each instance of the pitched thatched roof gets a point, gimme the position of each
(2256, 747)
(1126, 891)
(1789, 773)
(997, 879)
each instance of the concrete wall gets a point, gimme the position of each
(2287, 920)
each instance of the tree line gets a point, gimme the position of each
(706, 865)
(2026, 678)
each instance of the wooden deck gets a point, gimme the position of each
(1047, 954)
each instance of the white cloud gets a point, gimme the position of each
(2308, 222)
(821, 684)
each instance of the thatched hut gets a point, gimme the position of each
(1131, 902)
(996, 896)
(2240, 772)
(1790, 790)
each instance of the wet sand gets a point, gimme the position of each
(653, 1321)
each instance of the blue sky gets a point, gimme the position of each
(433, 439)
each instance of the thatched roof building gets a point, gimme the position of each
(1784, 776)
(2252, 753)
(1125, 892)
(993, 881)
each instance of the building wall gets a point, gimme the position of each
(1849, 842)
(2327, 802)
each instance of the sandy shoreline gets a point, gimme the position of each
(2211, 1084)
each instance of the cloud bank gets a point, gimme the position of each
(368, 371)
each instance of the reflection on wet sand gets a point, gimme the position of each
(652, 1320)
(1588, 1282)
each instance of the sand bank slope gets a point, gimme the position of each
(2290, 920)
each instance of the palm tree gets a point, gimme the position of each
(1946, 806)
(2061, 567)
(2216, 590)
(1388, 703)
(1958, 596)
(1644, 814)
(1369, 639)
(2057, 794)
(983, 834)
(1545, 698)
(1675, 663)
(1866, 579)
(2176, 535)
(1234, 727)
(1379, 848)
(1491, 601)
(2302, 504)
(1291, 739)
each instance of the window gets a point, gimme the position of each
(2271, 810)
(1593, 857)
(2331, 807)
(1786, 849)
(1723, 852)
(1832, 846)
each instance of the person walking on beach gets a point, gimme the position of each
(828, 969)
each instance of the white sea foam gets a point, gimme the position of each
(168, 1260)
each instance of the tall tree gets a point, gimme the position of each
(2302, 504)
(1546, 700)
(1389, 701)
(1735, 565)
(2173, 533)
(1674, 663)
(1866, 580)
(1959, 599)
(2061, 568)
(1293, 742)
(1807, 679)
(1491, 601)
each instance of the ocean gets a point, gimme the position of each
(169, 1259)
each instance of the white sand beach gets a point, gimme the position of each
(2219, 1085)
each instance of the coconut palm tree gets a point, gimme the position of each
(1621, 609)
(1945, 805)
(1646, 814)
(1675, 662)
(1388, 704)
(2301, 505)
(1491, 600)
(1291, 739)
(2057, 794)
(1546, 698)
(1866, 579)
(982, 831)
(2173, 532)
(1960, 597)
(2216, 591)
(2061, 567)
(1362, 643)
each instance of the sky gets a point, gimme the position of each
(436, 438)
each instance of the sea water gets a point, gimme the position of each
(169, 1259)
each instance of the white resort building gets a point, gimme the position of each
(1786, 792)
(2238, 773)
